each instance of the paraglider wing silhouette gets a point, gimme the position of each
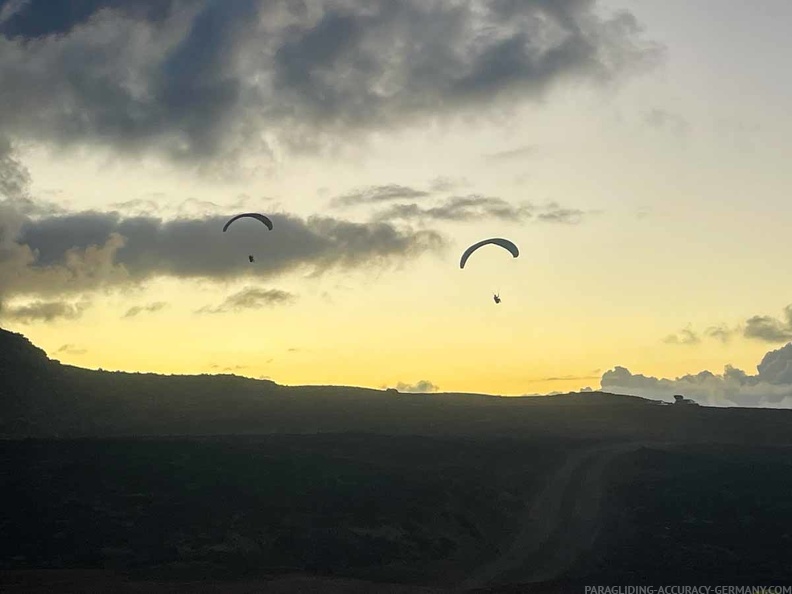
(253, 215)
(504, 243)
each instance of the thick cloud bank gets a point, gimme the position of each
(202, 80)
(771, 387)
(62, 255)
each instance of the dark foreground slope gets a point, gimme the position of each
(138, 482)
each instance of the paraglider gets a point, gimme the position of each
(499, 241)
(504, 243)
(252, 215)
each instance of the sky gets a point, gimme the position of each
(636, 151)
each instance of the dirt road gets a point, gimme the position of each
(559, 524)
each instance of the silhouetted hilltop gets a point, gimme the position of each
(40, 397)
(20, 359)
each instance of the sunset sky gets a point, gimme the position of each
(637, 151)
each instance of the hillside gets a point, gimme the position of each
(43, 398)
(153, 481)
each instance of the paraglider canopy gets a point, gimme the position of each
(499, 241)
(253, 215)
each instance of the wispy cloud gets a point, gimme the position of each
(563, 378)
(251, 298)
(44, 311)
(722, 333)
(149, 308)
(662, 119)
(685, 336)
(476, 206)
(459, 208)
(375, 194)
(447, 184)
(759, 327)
(515, 154)
(70, 349)
(554, 213)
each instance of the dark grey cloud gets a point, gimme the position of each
(207, 80)
(419, 387)
(88, 251)
(459, 208)
(375, 194)
(771, 386)
(769, 329)
(41, 18)
(148, 308)
(44, 311)
(686, 336)
(251, 298)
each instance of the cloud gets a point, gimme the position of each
(93, 250)
(553, 213)
(722, 333)
(12, 8)
(769, 329)
(459, 208)
(770, 387)
(14, 176)
(419, 387)
(763, 328)
(476, 206)
(137, 206)
(74, 269)
(251, 298)
(514, 154)
(374, 194)
(685, 336)
(156, 204)
(665, 120)
(212, 81)
(150, 308)
(566, 378)
(447, 184)
(44, 311)
(70, 349)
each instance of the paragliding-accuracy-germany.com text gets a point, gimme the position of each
(688, 590)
